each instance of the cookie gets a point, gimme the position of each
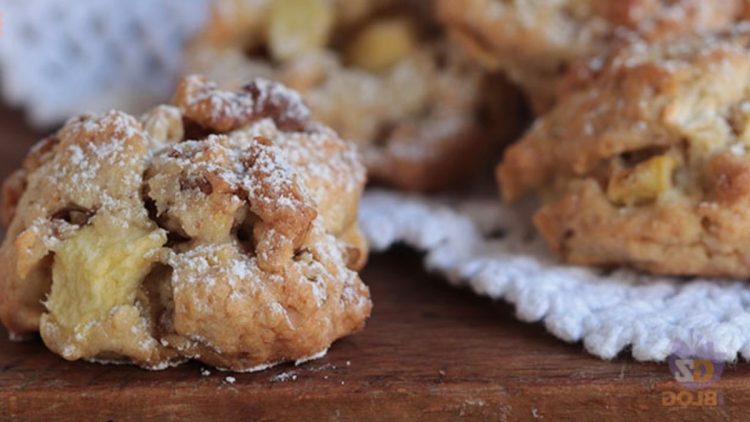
(380, 73)
(647, 166)
(537, 42)
(221, 228)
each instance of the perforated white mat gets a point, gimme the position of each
(492, 249)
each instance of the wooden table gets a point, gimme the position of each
(430, 352)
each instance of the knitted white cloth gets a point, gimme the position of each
(492, 249)
(63, 57)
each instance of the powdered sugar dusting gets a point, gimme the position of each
(291, 105)
(100, 159)
(284, 377)
(202, 102)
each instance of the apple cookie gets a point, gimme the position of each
(380, 73)
(647, 166)
(537, 41)
(221, 228)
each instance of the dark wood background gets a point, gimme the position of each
(429, 352)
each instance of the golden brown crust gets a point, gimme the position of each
(238, 247)
(410, 117)
(647, 165)
(536, 42)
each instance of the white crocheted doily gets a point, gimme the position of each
(63, 57)
(492, 249)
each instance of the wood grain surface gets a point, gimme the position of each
(430, 352)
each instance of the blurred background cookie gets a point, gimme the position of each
(537, 41)
(647, 165)
(381, 73)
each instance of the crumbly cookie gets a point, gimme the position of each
(221, 228)
(537, 41)
(648, 166)
(380, 73)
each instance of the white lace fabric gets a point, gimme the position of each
(59, 58)
(492, 249)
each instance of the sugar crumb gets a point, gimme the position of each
(284, 377)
